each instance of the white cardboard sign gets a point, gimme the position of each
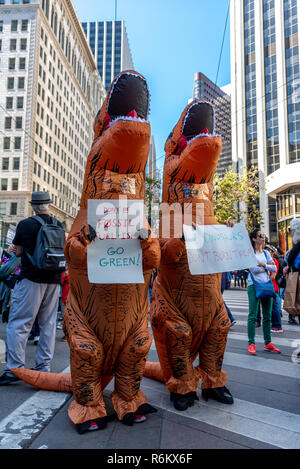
(115, 256)
(217, 248)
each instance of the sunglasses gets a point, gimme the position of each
(261, 236)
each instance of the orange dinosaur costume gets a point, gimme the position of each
(107, 325)
(188, 315)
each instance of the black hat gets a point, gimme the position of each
(39, 198)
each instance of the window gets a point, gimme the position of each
(21, 83)
(0, 45)
(16, 164)
(13, 45)
(17, 144)
(10, 83)
(7, 124)
(16, 2)
(14, 25)
(22, 63)
(6, 143)
(5, 164)
(24, 25)
(18, 122)
(1, 26)
(23, 44)
(12, 63)
(2, 208)
(20, 102)
(14, 184)
(13, 208)
(9, 102)
(4, 184)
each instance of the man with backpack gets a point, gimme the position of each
(39, 241)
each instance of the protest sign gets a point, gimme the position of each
(115, 256)
(10, 234)
(218, 248)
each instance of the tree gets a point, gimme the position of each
(236, 197)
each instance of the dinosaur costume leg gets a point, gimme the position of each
(127, 397)
(212, 350)
(86, 359)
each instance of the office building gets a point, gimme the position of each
(50, 92)
(110, 46)
(265, 101)
(205, 89)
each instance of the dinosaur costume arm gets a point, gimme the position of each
(151, 253)
(172, 250)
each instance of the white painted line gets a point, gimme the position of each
(285, 327)
(260, 364)
(2, 351)
(261, 423)
(30, 417)
(258, 338)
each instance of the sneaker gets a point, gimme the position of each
(271, 348)
(59, 325)
(8, 379)
(233, 323)
(252, 349)
(258, 324)
(277, 330)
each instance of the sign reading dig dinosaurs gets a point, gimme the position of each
(115, 256)
(218, 248)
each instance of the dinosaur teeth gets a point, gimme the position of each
(203, 135)
(126, 118)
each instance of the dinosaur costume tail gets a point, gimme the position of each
(153, 371)
(43, 380)
(59, 382)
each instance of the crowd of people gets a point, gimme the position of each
(32, 302)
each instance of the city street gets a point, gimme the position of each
(265, 413)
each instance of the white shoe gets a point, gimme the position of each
(233, 323)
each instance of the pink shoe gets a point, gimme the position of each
(139, 418)
(252, 349)
(271, 348)
(277, 330)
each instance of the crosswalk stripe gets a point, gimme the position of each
(266, 424)
(276, 340)
(282, 368)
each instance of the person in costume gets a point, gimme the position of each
(106, 326)
(188, 315)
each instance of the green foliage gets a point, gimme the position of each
(236, 197)
(152, 189)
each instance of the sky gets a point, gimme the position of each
(170, 40)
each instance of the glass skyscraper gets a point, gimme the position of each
(265, 79)
(109, 44)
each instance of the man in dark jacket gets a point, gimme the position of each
(35, 296)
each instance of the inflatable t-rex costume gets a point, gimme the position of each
(107, 325)
(188, 315)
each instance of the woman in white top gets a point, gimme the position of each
(261, 274)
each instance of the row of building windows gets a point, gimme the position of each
(13, 44)
(13, 208)
(7, 143)
(6, 164)
(14, 184)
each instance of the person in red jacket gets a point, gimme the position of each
(276, 309)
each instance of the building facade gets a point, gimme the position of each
(205, 89)
(110, 46)
(50, 92)
(266, 105)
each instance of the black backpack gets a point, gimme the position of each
(280, 278)
(49, 249)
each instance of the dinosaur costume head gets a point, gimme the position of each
(120, 149)
(192, 153)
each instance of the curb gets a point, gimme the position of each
(2, 351)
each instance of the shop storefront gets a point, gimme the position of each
(288, 208)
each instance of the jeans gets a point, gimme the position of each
(266, 304)
(276, 312)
